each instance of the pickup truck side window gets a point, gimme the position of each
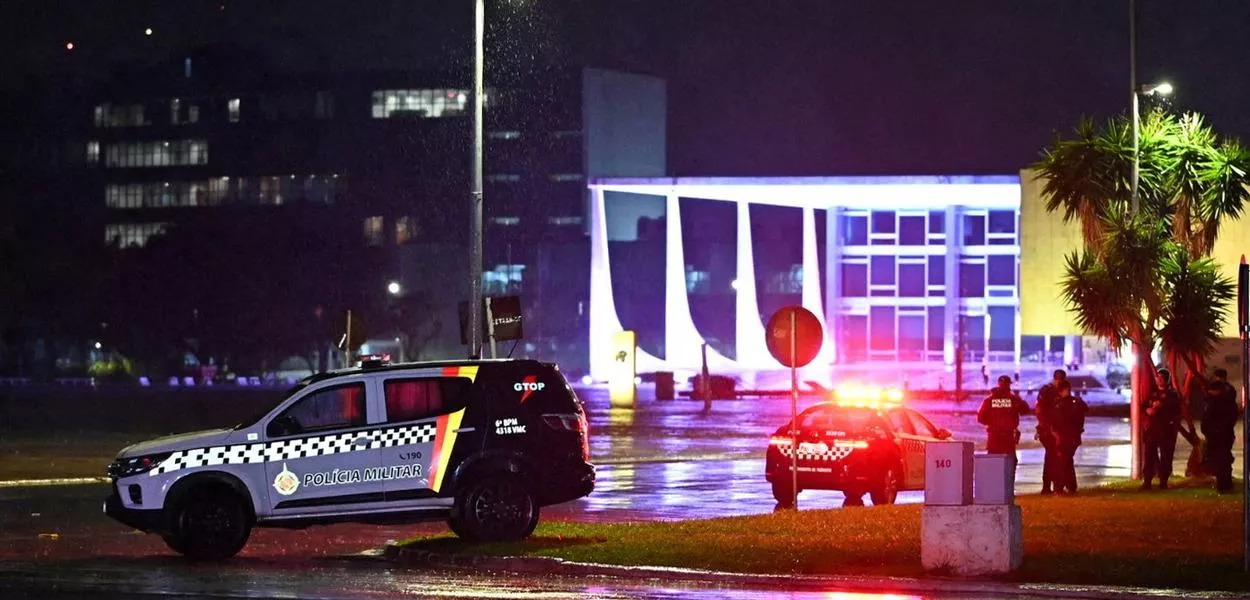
(332, 408)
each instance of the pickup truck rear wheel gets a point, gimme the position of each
(494, 507)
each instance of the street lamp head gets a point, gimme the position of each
(1162, 89)
(394, 288)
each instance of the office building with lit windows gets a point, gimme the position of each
(386, 157)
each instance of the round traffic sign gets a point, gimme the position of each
(807, 336)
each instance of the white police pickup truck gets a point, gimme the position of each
(483, 444)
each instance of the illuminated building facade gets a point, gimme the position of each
(899, 269)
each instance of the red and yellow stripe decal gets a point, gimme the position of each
(444, 442)
(445, 434)
(469, 373)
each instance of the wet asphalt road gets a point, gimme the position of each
(662, 461)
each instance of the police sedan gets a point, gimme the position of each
(863, 441)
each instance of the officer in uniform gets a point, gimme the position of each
(1067, 424)
(1046, 398)
(1218, 425)
(1000, 414)
(1162, 422)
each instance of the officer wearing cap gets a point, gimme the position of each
(1162, 422)
(1047, 398)
(1000, 414)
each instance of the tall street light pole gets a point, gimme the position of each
(475, 217)
(1133, 91)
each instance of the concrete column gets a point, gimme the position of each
(833, 281)
(811, 284)
(1071, 348)
(751, 348)
(954, 244)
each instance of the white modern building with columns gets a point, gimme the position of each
(899, 269)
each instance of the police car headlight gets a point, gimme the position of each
(125, 467)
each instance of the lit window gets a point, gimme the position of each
(132, 235)
(506, 221)
(562, 221)
(375, 233)
(175, 111)
(504, 135)
(232, 107)
(503, 178)
(503, 279)
(566, 177)
(405, 230)
(193, 114)
(156, 154)
(114, 115)
(93, 152)
(424, 103)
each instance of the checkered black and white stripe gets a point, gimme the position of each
(321, 445)
(835, 453)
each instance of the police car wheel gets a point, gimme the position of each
(495, 508)
(886, 491)
(782, 493)
(211, 526)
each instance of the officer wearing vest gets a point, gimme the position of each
(1162, 423)
(1000, 414)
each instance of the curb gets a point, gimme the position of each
(50, 482)
(533, 565)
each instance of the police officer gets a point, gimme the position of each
(1046, 398)
(1000, 414)
(1067, 424)
(1162, 422)
(1218, 425)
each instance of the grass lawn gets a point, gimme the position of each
(1115, 535)
(29, 456)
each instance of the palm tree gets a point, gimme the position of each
(1147, 277)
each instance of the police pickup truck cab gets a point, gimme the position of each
(483, 444)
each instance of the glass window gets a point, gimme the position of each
(855, 337)
(882, 270)
(848, 421)
(921, 424)
(1002, 328)
(332, 408)
(937, 328)
(132, 235)
(855, 231)
(882, 318)
(1002, 221)
(1002, 270)
(405, 230)
(854, 281)
(93, 152)
(974, 230)
(937, 221)
(374, 232)
(911, 231)
(883, 222)
(232, 107)
(971, 280)
(974, 333)
(422, 103)
(413, 399)
(911, 282)
(911, 337)
(156, 154)
(900, 423)
(937, 269)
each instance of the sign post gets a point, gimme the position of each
(794, 336)
(1243, 325)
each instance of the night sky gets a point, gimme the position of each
(789, 87)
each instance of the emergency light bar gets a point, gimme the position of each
(867, 396)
